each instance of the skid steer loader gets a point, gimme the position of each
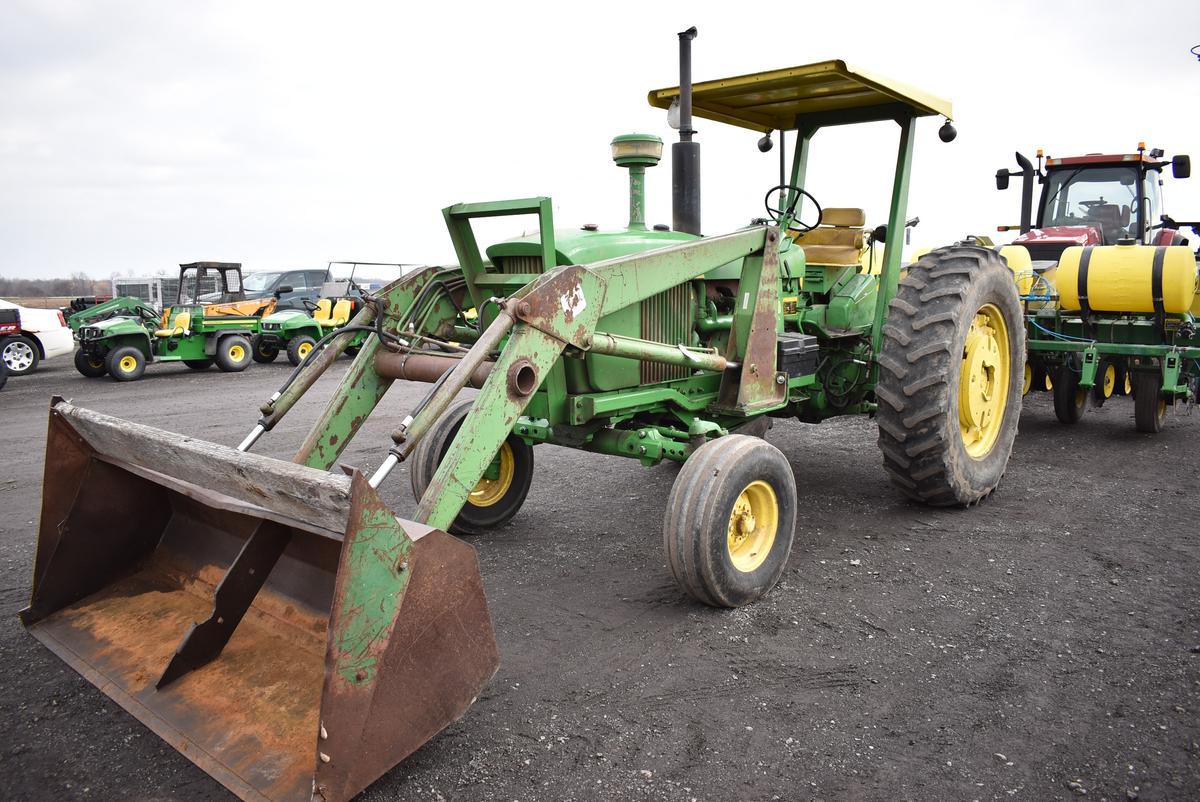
(281, 627)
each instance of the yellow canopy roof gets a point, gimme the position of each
(828, 92)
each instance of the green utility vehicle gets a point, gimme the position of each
(189, 332)
(361, 634)
(296, 332)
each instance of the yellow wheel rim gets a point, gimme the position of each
(304, 350)
(753, 523)
(1110, 381)
(96, 363)
(983, 382)
(127, 364)
(236, 353)
(1128, 384)
(489, 491)
(1162, 408)
(1025, 388)
(1049, 383)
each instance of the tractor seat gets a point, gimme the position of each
(341, 312)
(837, 241)
(321, 313)
(182, 321)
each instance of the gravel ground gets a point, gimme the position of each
(1044, 645)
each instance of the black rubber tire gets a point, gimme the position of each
(1149, 405)
(1102, 390)
(117, 355)
(19, 349)
(233, 353)
(920, 371)
(1070, 401)
(296, 345)
(92, 367)
(1123, 376)
(471, 520)
(264, 354)
(1039, 379)
(699, 510)
(198, 364)
(3, 374)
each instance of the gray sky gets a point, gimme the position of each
(138, 135)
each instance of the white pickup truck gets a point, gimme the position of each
(43, 334)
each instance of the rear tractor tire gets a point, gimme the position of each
(91, 366)
(233, 354)
(126, 364)
(1149, 403)
(1070, 400)
(494, 501)
(951, 375)
(262, 352)
(731, 519)
(299, 348)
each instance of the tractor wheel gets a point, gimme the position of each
(493, 502)
(1106, 382)
(262, 353)
(730, 522)
(1028, 383)
(1124, 378)
(1149, 403)
(91, 366)
(20, 354)
(1070, 400)
(300, 347)
(950, 376)
(126, 364)
(233, 353)
(198, 364)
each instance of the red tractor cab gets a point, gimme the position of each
(1097, 199)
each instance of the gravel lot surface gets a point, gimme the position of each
(1045, 645)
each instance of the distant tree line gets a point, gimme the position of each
(76, 285)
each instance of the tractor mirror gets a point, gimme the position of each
(1002, 179)
(1181, 166)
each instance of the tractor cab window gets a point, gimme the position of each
(200, 286)
(1100, 197)
(1153, 201)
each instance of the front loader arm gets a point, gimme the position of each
(561, 308)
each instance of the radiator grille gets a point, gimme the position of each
(520, 264)
(666, 318)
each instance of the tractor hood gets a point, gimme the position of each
(579, 246)
(1049, 243)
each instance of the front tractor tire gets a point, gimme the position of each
(1070, 400)
(233, 354)
(1149, 403)
(495, 499)
(731, 519)
(126, 364)
(950, 377)
(90, 365)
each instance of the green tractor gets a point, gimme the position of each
(297, 332)
(361, 634)
(122, 346)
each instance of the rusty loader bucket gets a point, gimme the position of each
(276, 624)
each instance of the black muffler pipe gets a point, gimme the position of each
(685, 154)
(1026, 193)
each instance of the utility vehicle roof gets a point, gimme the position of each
(825, 93)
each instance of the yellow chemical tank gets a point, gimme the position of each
(1120, 279)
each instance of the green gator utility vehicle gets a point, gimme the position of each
(122, 346)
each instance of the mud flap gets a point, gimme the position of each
(315, 640)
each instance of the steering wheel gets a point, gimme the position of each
(777, 211)
(310, 305)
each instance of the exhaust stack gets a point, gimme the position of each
(685, 154)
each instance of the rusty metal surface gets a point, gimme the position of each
(425, 367)
(355, 650)
(432, 660)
